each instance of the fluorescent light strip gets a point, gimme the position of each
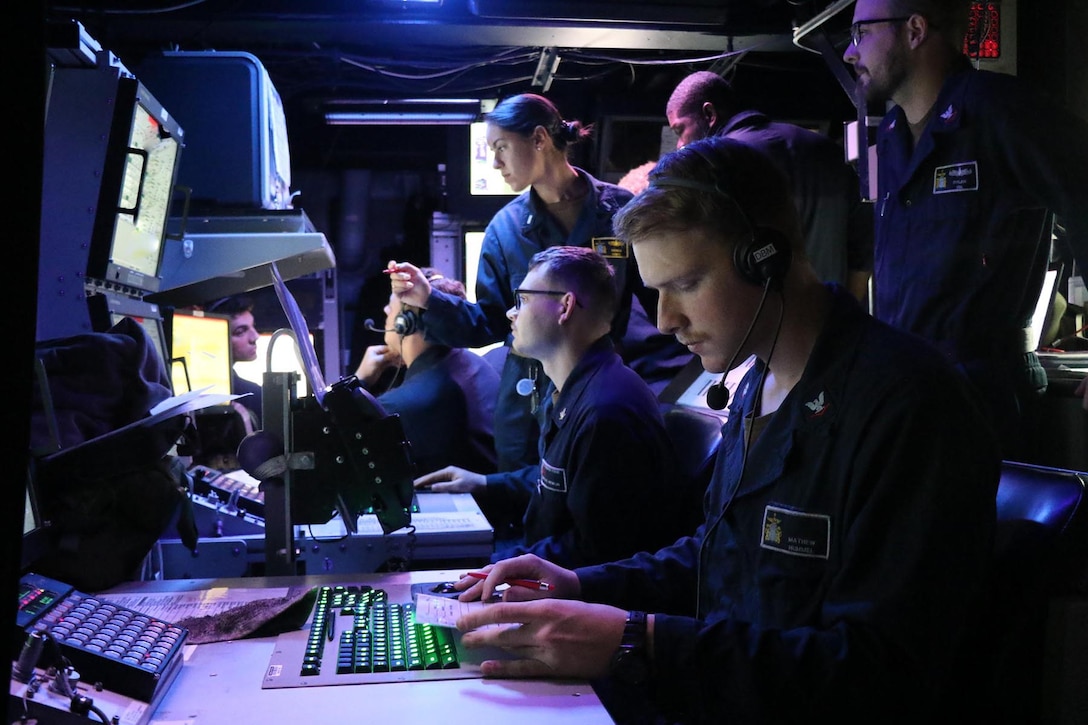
(380, 118)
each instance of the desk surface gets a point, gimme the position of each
(220, 683)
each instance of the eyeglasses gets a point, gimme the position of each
(855, 29)
(520, 293)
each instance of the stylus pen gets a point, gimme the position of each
(527, 583)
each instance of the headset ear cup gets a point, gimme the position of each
(765, 258)
(406, 323)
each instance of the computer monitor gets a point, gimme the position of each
(1042, 317)
(137, 186)
(114, 308)
(472, 243)
(200, 352)
(36, 534)
(109, 164)
(690, 386)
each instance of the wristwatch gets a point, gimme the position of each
(629, 663)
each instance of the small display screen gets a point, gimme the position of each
(200, 353)
(474, 242)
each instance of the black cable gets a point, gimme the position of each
(748, 442)
(719, 389)
(81, 705)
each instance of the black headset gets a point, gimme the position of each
(410, 319)
(765, 257)
(406, 322)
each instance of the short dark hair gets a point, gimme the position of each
(731, 186)
(232, 306)
(585, 271)
(949, 17)
(523, 113)
(701, 87)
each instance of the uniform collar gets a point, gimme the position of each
(947, 109)
(427, 359)
(580, 378)
(744, 119)
(536, 214)
(812, 405)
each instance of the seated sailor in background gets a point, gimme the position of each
(221, 431)
(850, 520)
(446, 398)
(243, 348)
(608, 484)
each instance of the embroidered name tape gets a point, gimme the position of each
(796, 533)
(611, 247)
(552, 478)
(955, 177)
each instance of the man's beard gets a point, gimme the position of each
(881, 90)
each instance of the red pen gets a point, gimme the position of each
(527, 583)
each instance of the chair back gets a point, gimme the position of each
(695, 435)
(1041, 561)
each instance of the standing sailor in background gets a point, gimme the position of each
(561, 205)
(971, 164)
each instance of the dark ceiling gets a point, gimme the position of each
(616, 56)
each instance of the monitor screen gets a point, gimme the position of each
(200, 352)
(36, 534)
(473, 243)
(137, 186)
(149, 320)
(145, 195)
(1041, 317)
(691, 385)
(484, 178)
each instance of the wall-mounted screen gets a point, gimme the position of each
(138, 183)
(145, 194)
(108, 169)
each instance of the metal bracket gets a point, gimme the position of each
(545, 68)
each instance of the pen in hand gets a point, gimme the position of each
(534, 584)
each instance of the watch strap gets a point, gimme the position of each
(634, 630)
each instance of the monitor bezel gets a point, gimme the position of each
(102, 260)
(169, 329)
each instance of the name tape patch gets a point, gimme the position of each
(796, 533)
(611, 247)
(552, 478)
(955, 177)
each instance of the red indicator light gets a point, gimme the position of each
(983, 31)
